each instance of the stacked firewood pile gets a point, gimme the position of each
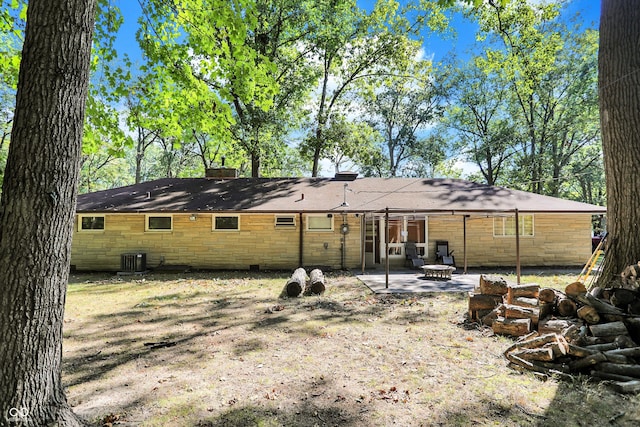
(578, 331)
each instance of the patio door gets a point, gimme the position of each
(402, 229)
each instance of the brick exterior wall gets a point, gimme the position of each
(559, 240)
(258, 242)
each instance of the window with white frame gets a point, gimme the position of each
(506, 226)
(226, 223)
(159, 223)
(285, 221)
(320, 222)
(91, 223)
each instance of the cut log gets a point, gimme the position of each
(615, 368)
(478, 315)
(619, 358)
(596, 291)
(634, 307)
(560, 347)
(512, 327)
(547, 295)
(529, 290)
(544, 354)
(492, 315)
(610, 376)
(573, 334)
(633, 326)
(587, 361)
(545, 309)
(296, 284)
(608, 329)
(565, 306)
(526, 302)
(493, 285)
(512, 311)
(577, 351)
(483, 302)
(603, 347)
(316, 286)
(602, 306)
(588, 314)
(621, 297)
(574, 289)
(630, 352)
(627, 387)
(550, 325)
(540, 366)
(533, 342)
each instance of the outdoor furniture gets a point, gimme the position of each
(438, 271)
(411, 255)
(442, 253)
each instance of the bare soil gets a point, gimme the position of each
(221, 349)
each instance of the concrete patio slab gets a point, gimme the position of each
(412, 282)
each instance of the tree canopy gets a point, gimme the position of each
(286, 88)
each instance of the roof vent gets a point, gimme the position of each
(346, 176)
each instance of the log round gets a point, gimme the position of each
(317, 281)
(566, 307)
(492, 285)
(297, 282)
(547, 295)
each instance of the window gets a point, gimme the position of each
(226, 223)
(506, 227)
(285, 221)
(88, 222)
(159, 223)
(320, 222)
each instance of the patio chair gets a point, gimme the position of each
(412, 259)
(443, 256)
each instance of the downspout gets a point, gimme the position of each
(344, 240)
(386, 248)
(363, 231)
(517, 248)
(300, 249)
(464, 241)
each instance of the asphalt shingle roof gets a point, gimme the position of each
(321, 195)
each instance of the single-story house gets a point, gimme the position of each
(224, 222)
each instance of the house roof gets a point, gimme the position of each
(289, 195)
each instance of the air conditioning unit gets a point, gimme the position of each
(133, 263)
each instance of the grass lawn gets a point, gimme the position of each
(228, 352)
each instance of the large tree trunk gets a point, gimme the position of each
(38, 205)
(619, 91)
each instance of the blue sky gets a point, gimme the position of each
(434, 44)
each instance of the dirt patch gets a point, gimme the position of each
(239, 356)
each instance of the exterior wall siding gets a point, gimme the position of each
(559, 240)
(194, 243)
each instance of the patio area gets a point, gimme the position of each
(409, 281)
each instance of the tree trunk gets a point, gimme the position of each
(38, 206)
(619, 92)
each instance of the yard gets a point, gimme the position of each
(220, 349)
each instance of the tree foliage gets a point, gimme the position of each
(525, 111)
(401, 106)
